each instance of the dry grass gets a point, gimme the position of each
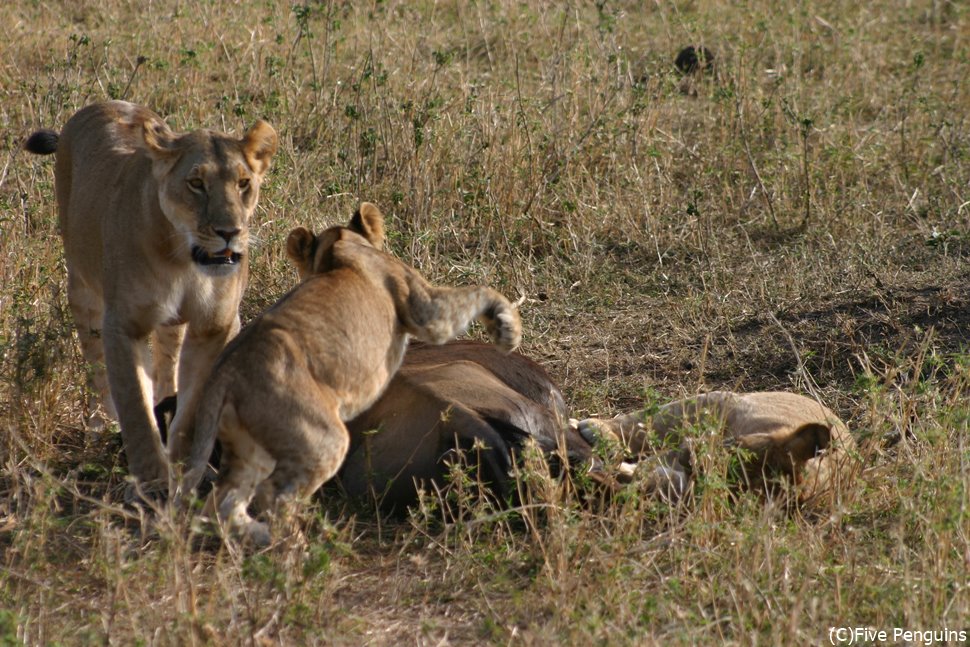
(797, 220)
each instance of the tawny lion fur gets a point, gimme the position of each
(281, 391)
(155, 228)
(780, 433)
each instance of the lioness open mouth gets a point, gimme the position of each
(224, 257)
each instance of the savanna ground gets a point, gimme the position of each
(796, 220)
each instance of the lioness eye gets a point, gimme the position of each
(244, 184)
(196, 184)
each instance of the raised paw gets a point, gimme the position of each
(506, 330)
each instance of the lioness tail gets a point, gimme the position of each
(42, 142)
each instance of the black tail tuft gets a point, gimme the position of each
(42, 142)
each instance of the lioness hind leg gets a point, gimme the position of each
(314, 452)
(166, 344)
(245, 465)
(87, 306)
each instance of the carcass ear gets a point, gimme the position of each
(259, 144)
(369, 223)
(300, 247)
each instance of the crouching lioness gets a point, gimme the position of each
(279, 394)
(780, 433)
(155, 228)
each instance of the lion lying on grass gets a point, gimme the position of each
(778, 433)
(279, 394)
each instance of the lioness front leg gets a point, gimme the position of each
(439, 314)
(199, 352)
(127, 358)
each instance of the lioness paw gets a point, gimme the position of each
(506, 330)
(668, 483)
(595, 430)
(254, 533)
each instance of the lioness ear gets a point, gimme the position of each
(259, 145)
(369, 223)
(158, 138)
(784, 449)
(808, 440)
(300, 246)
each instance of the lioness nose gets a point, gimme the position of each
(227, 234)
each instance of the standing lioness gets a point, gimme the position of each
(155, 227)
(281, 391)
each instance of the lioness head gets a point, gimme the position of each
(208, 186)
(312, 254)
